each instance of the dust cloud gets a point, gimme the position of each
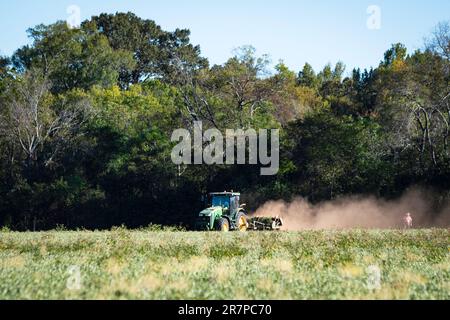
(360, 212)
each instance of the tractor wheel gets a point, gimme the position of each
(224, 225)
(241, 222)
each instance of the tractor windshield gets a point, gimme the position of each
(221, 201)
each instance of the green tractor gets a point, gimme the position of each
(224, 213)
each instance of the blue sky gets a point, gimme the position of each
(296, 31)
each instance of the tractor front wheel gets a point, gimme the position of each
(224, 225)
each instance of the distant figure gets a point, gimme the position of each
(407, 221)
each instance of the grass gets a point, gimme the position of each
(125, 264)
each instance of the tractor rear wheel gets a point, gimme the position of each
(241, 222)
(224, 225)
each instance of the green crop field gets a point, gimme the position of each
(125, 264)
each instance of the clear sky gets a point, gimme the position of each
(296, 31)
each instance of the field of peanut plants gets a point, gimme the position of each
(122, 264)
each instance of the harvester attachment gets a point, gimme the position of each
(265, 223)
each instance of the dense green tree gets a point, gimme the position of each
(72, 58)
(243, 89)
(413, 107)
(293, 99)
(155, 51)
(39, 133)
(307, 77)
(395, 56)
(338, 155)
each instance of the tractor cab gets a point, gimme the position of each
(223, 212)
(228, 201)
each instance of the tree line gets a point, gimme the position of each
(86, 117)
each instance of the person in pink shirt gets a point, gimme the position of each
(407, 221)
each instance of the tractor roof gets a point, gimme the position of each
(225, 193)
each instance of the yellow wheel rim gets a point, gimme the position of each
(225, 227)
(242, 224)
